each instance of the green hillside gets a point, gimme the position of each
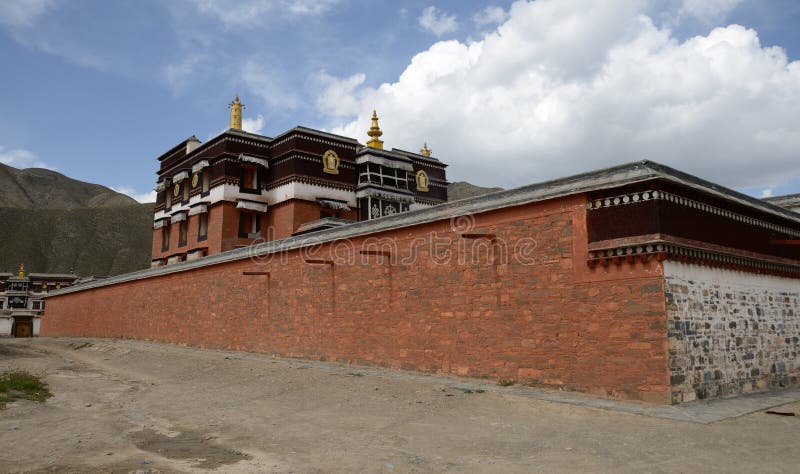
(89, 241)
(56, 224)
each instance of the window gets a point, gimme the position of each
(18, 302)
(202, 226)
(185, 190)
(183, 233)
(385, 176)
(2, 303)
(168, 198)
(249, 225)
(373, 208)
(249, 181)
(37, 305)
(205, 180)
(165, 238)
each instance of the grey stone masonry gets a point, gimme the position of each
(730, 332)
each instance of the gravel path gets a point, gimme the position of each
(129, 406)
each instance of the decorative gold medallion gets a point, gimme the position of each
(422, 181)
(330, 162)
(176, 191)
(195, 180)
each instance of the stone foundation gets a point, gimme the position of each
(730, 332)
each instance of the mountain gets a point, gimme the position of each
(463, 189)
(96, 241)
(39, 188)
(55, 224)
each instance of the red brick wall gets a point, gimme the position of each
(156, 253)
(286, 217)
(537, 315)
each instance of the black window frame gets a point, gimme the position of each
(249, 235)
(165, 237)
(185, 192)
(205, 182)
(257, 170)
(200, 218)
(183, 233)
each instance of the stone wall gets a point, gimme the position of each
(504, 294)
(730, 332)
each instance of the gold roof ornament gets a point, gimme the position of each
(236, 113)
(425, 151)
(21, 270)
(375, 132)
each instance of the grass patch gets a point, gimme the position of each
(86, 344)
(21, 385)
(505, 382)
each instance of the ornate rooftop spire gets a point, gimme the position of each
(21, 270)
(236, 113)
(425, 151)
(375, 132)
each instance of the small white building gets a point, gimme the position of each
(22, 300)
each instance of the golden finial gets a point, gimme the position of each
(21, 270)
(375, 132)
(236, 113)
(425, 151)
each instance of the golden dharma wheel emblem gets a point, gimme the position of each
(422, 181)
(176, 191)
(195, 180)
(330, 162)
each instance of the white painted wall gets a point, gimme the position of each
(5, 325)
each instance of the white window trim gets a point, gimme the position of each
(199, 166)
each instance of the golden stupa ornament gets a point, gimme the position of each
(375, 132)
(236, 113)
(21, 270)
(425, 151)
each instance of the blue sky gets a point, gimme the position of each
(508, 94)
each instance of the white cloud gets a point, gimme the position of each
(254, 13)
(707, 11)
(437, 22)
(491, 15)
(766, 192)
(569, 86)
(21, 20)
(337, 98)
(21, 158)
(268, 84)
(149, 196)
(253, 125)
(177, 75)
(17, 14)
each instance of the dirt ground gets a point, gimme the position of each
(126, 406)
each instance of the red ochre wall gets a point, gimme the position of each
(539, 316)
